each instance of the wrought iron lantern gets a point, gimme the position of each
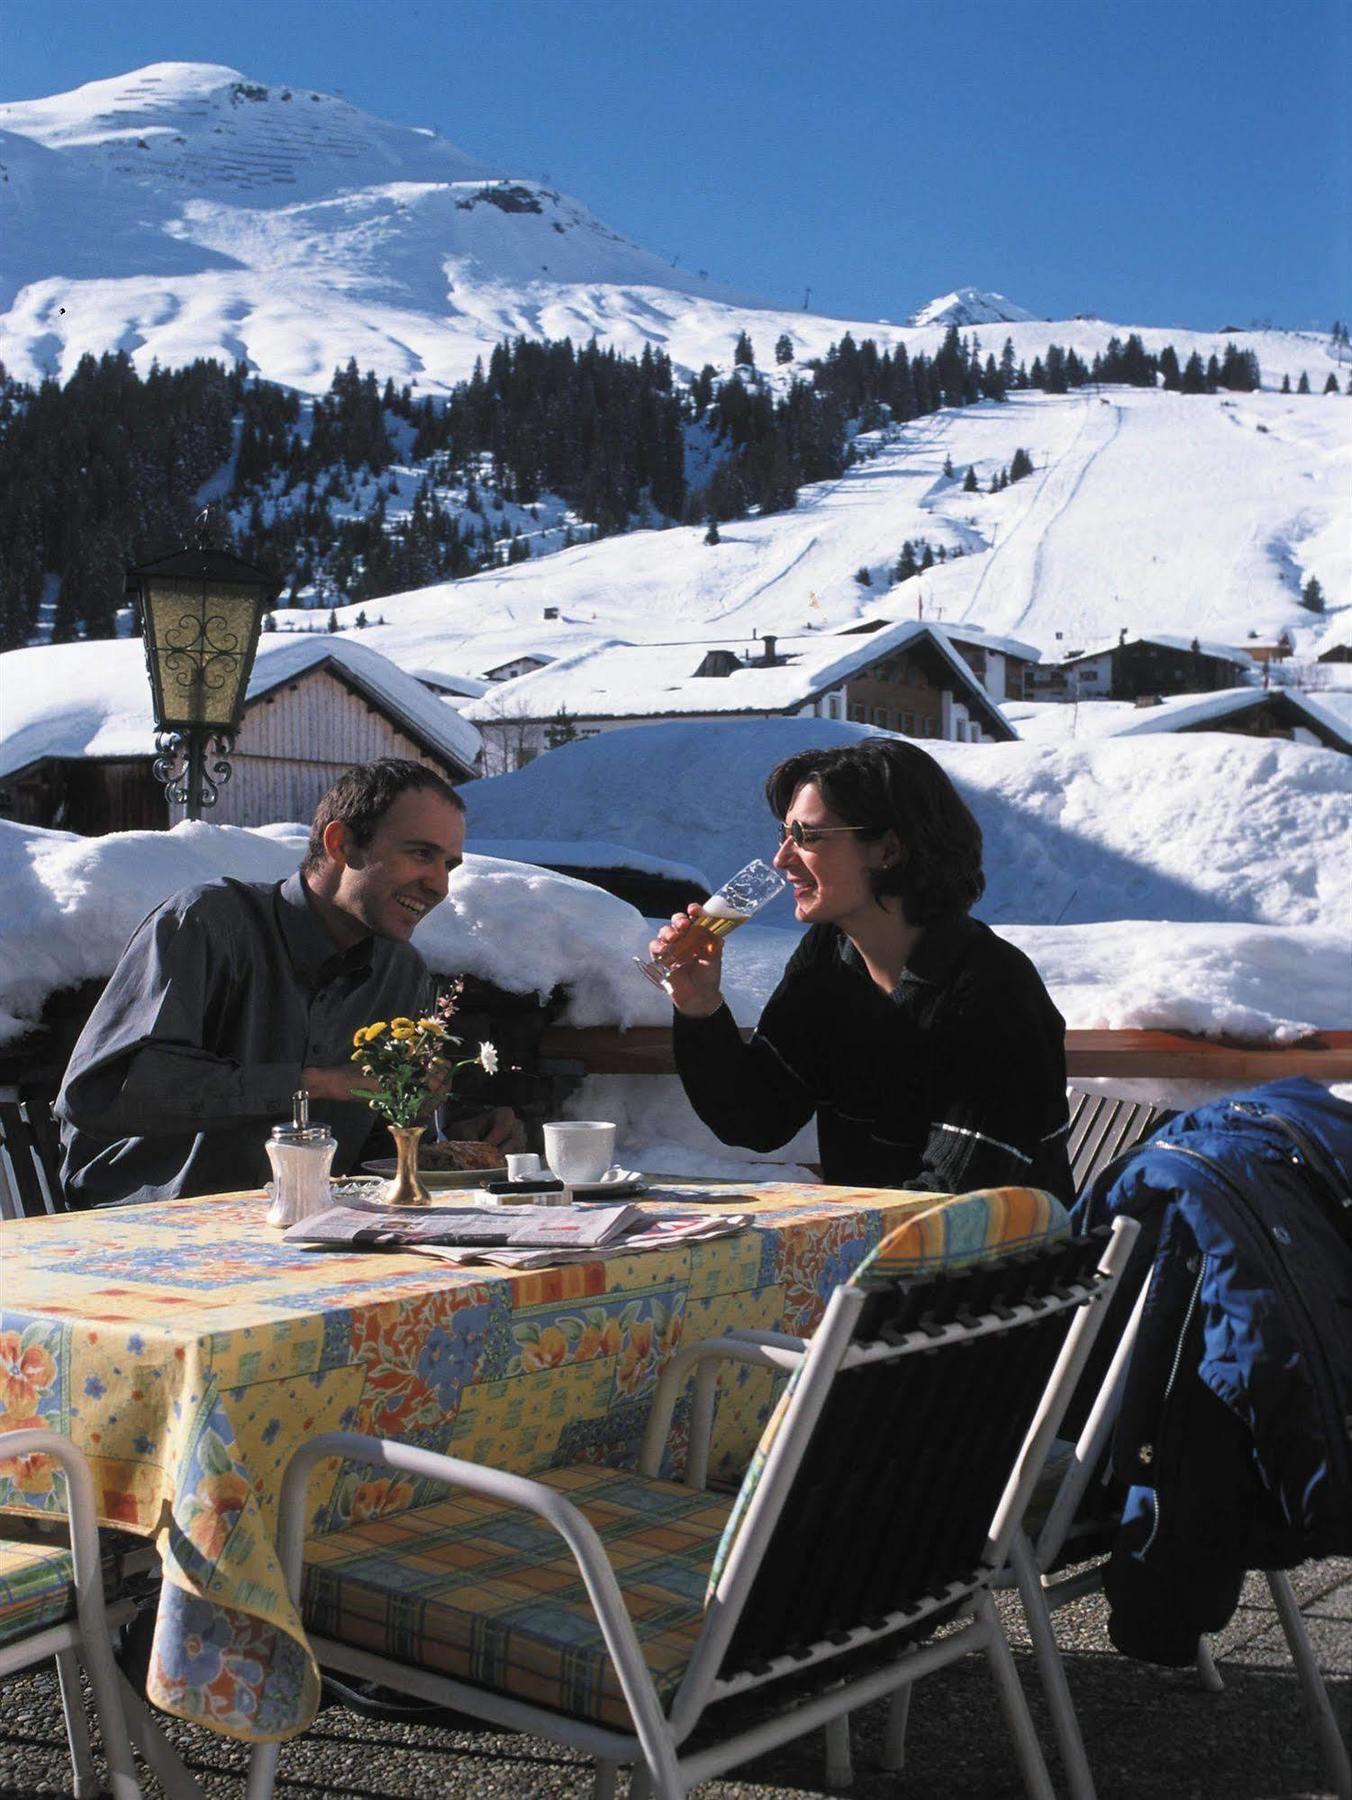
(201, 612)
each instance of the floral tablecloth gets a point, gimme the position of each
(187, 1351)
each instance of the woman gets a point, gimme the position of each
(926, 1046)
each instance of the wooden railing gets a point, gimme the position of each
(1128, 1055)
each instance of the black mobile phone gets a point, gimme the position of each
(541, 1184)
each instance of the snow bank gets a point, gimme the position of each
(72, 903)
(1207, 827)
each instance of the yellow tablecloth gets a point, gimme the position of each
(187, 1351)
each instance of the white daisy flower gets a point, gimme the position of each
(488, 1058)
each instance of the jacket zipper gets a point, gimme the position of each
(1144, 1551)
(1335, 1431)
(1313, 1152)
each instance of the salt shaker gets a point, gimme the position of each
(300, 1154)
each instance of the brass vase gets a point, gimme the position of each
(406, 1186)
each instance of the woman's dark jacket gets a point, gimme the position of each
(955, 1080)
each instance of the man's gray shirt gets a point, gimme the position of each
(224, 994)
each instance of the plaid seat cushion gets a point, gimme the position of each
(952, 1233)
(37, 1588)
(488, 1594)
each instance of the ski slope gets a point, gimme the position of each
(1146, 511)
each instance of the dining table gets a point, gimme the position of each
(188, 1350)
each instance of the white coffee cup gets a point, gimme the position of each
(579, 1150)
(523, 1166)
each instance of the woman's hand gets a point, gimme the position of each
(694, 981)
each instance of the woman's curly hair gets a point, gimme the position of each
(886, 784)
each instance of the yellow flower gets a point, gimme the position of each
(374, 1030)
(402, 1030)
(432, 1026)
(402, 1024)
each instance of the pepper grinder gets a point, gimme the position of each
(300, 1154)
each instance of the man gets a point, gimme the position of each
(232, 995)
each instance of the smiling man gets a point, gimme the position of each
(232, 995)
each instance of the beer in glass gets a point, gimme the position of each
(741, 896)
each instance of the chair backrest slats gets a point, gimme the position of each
(30, 1186)
(908, 1460)
(1102, 1128)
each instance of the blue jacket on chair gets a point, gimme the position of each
(1234, 1439)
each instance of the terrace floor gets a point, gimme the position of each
(1151, 1734)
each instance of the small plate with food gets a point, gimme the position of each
(461, 1162)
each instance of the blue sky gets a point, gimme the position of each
(1183, 163)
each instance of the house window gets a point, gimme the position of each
(880, 716)
(908, 724)
(857, 713)
(928, 730)
(833, 706)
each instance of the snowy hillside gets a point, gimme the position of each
(1148, 511)
(183, 210)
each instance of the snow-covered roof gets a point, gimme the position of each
(462, 687)
(1165, 640)
(1189, 712)
(629, 681)
(979, 639)
(92, 699)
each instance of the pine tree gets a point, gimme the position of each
(1312, 596)
(743, 355)
(1194, 375)
(969, 482)
(1331, 385)
(332, 624)
(783, 348)
(1286, 384)
(1020, 465)
(948, 468)
(906, 563)
(711, 535)
(863, 577)
(1303, 385)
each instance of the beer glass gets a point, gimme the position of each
(742, 895)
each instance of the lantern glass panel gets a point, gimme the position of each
(201, 637)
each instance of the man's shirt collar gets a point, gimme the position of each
(314, 955)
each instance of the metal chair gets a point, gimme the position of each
(52, 1605)
(1075, 1534)
(611, 1610)
(30, 1156)
(1102, 1127)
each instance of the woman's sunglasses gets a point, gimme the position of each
(805, 836)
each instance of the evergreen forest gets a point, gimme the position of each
(371, 490)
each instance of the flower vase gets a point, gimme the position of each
(406, 1186)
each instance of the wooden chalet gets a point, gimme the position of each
(77, 741)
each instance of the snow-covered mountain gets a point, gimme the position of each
(184, 210)
(970, 306)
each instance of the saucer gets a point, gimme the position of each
(615, 1184)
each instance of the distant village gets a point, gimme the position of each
(77, 744)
